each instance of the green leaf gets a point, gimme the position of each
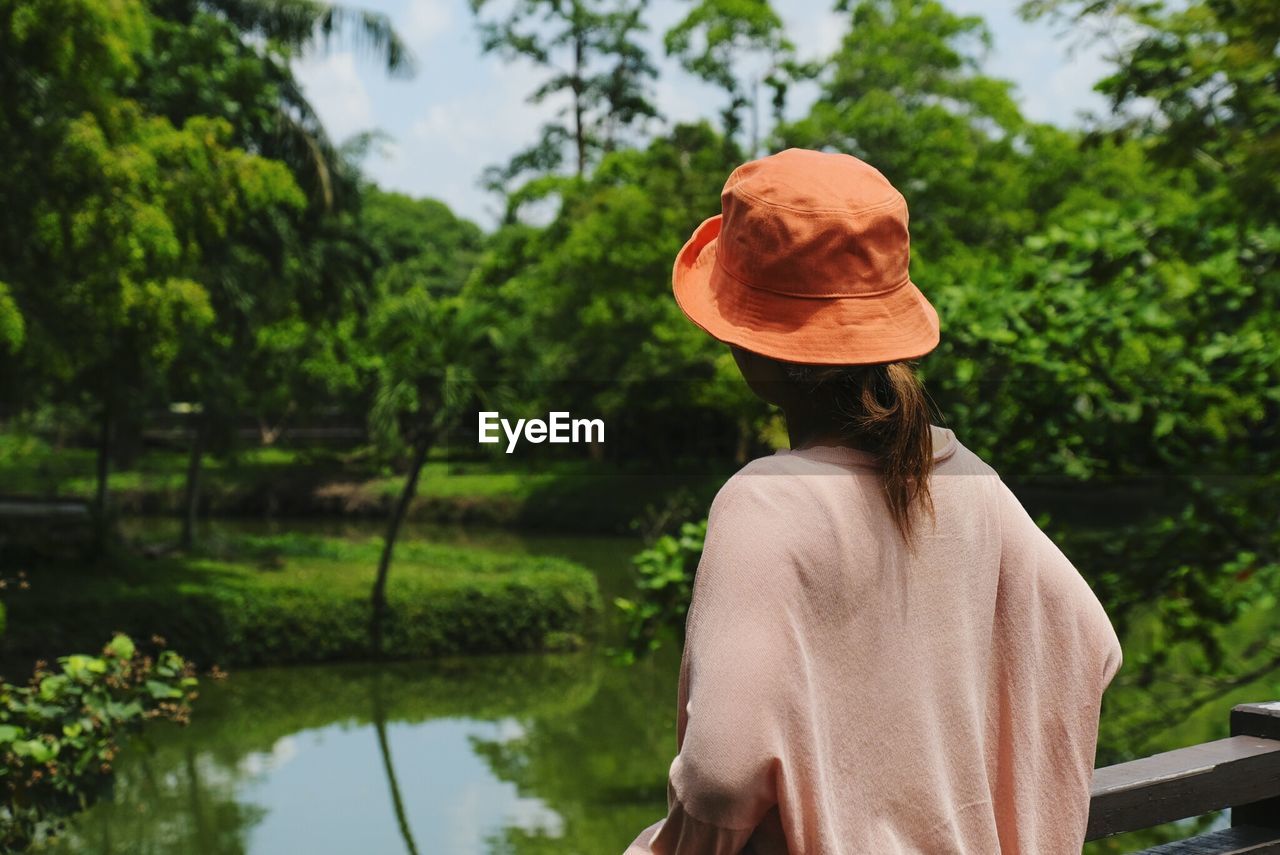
(37, 749)
(162, 691)
(122, 647)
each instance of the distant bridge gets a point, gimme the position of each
(40, 509)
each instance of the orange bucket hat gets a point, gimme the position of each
(807, 263)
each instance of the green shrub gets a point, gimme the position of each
(664, 585)
(60, 733)
(294, 598)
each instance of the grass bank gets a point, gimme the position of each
(569, 495)
(257, 600)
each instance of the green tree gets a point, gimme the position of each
(207, 267)
(431, 354)
(432, 345)
(1200, 78)
(718, 41)
(118, 208)
(904, 91)
(287, 296)
(590, 52)
(422, 238)
(1186, 256)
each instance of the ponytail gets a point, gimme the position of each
(887, 414)
(892, 418)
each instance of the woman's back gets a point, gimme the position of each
(843, 693)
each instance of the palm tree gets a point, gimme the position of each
(309, 24)
(274, 32)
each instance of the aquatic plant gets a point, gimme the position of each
(61, 732)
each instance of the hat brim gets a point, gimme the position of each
(887, 327)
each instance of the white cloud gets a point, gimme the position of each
(1069, 93)
(425, 20)
(445, 149)
(681, 97)
(451, 126)
(259, 762)
(815, 29)
(333, 85)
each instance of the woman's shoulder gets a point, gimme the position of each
(802, 485)
(962, 460)
(768, 493)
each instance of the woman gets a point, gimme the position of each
(884, 654)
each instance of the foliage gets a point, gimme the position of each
(717, 37)
(180, 225)
(1197, 82)
(113, 214)
(1147, 319)
(419, 241)
(664, 578)
(60, 733)
(429, 347)
(231, 59)
(125, 200)
(1197, 568)
(905, 92)
(293, 599)
(590, 52)
(12, 327)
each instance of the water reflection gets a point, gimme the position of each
(388, 766)
(514, 754)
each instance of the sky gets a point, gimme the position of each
(463, 111)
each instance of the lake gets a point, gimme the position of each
(497, 755)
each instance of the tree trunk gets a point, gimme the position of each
(191, 498)
(379, 598)
(755, 119)
(102, 493)
(194, 797)
(579, 49)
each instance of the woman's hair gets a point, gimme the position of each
(887, 413)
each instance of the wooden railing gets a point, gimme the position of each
(1241, 772)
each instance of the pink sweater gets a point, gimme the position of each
(839, 694)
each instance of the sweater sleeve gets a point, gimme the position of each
(740, 650)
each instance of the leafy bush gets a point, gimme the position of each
(60, 733)
(664, 582)
(293, 598)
